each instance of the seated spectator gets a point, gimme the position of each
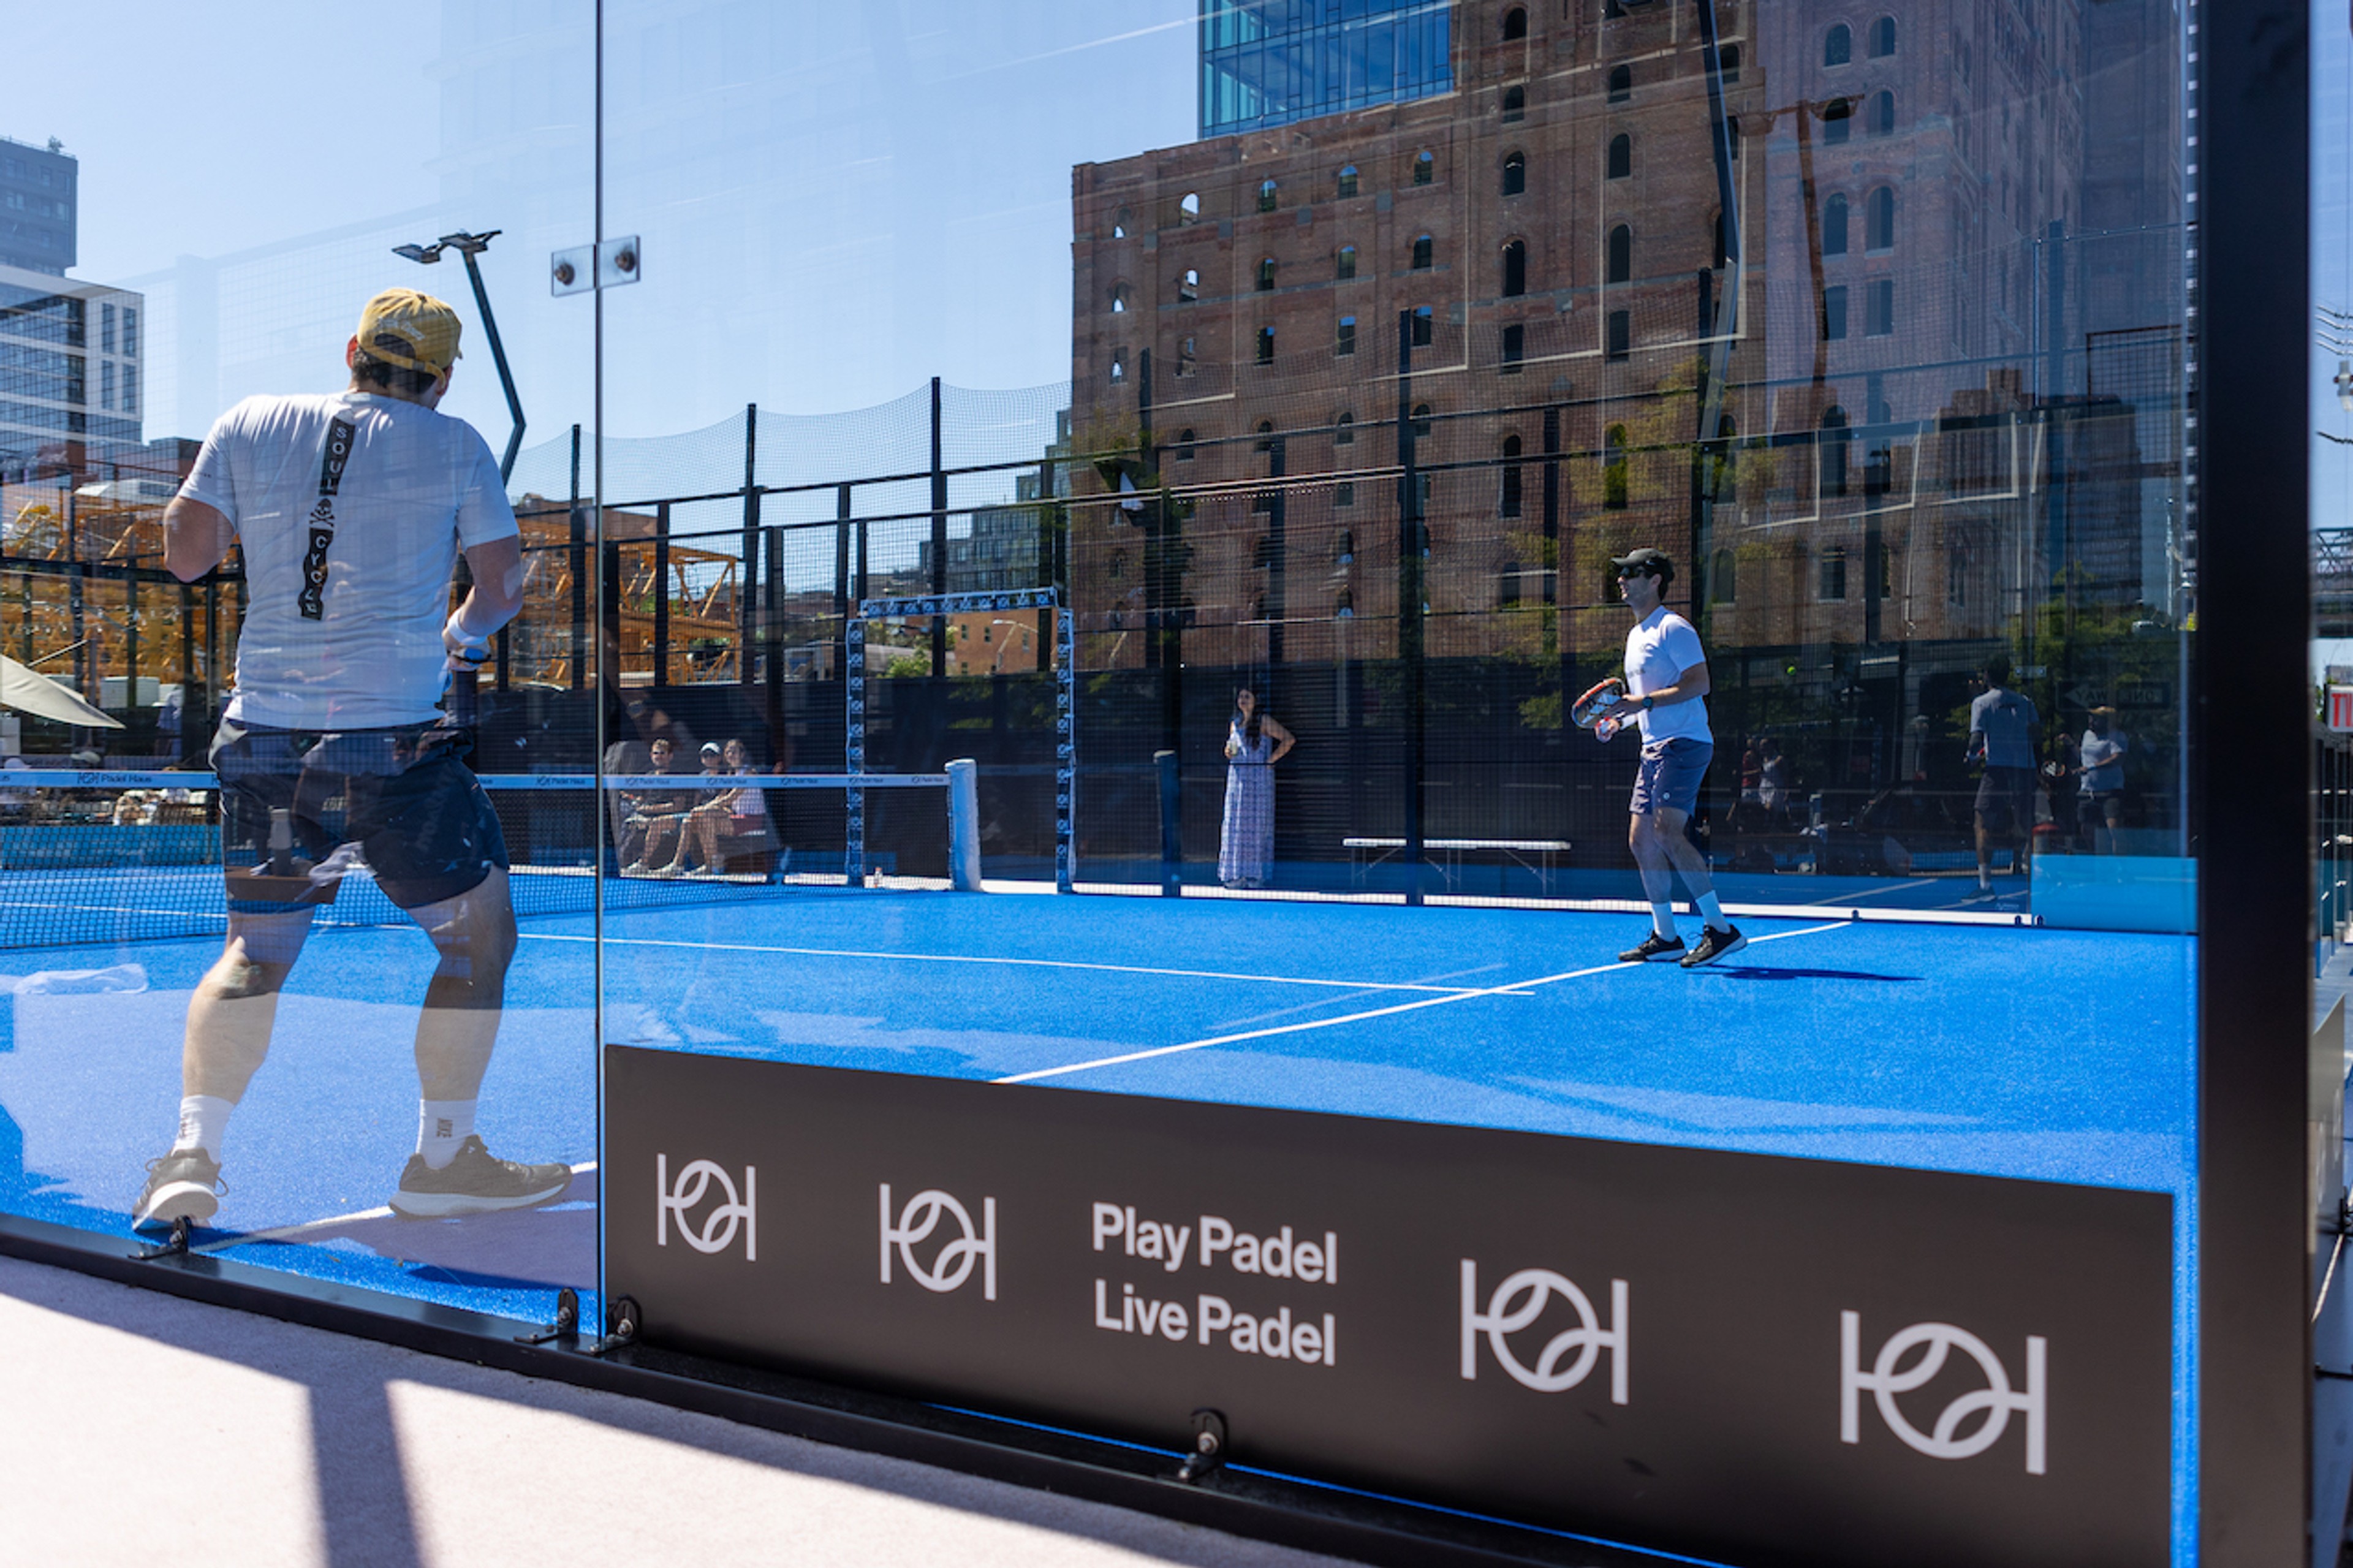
(734, 821)
(649, 836)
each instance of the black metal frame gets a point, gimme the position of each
(2250, 769)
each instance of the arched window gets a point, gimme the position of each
(1425, 168)
(1119, 225)
(1185, 445)
(1266, 274)
(1266, 197)
(1515, 24)
(1118, 298)
(1621, 256)
(1515, 105)
(1516, 268)
(1422, 247)
(1515, 173)
(1343, 548)
(1265, 442)
(1425, 323)
(1421, 421)
(1838, 121)
(1621, 83)
(1507, 500)
(1189, 287)
(1835, 226)
(1343, 265)
(1614, 468)
(1834, 440)
(1119, 367)
(1838, 48)
(1346, 341)
(1266, 345)
(1344, 606)
(1622, 156)
(1188, 207)
(1879, 220)
(1343, 429)
(1883, 38)
(1881, 121)
(1515, 348)
(1728, 63)
(1347, 182)
(1185, 357)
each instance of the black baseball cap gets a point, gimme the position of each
(1646, 561)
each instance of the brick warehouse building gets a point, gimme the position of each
(1927, 331)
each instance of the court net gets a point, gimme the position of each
(97, 859)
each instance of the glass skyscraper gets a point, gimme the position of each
(1268, 62)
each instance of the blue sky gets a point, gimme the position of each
(837, 202)
(2332, 272)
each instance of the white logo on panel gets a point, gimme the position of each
(673, 1205)
(951, 1265)
(1991, 1404)
(1516, 1304)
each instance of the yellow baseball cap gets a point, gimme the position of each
(417, 332)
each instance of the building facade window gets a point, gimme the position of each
(1617, 335)
(1118, 298)
(1346, 341)
(1838, 122)
(1515, 24)
(1834, 313)
(1515, 104)
(1119, 367)
(1189, 287)
(1516, 338)
(1424, 326)
(1343, 429)
(1266, 195)
(1620, 259)
(1185, 445)
(1879, 308)
(1515, 173)
(1185, 356)
(1882, 114)
(1516, 268)
(1622, 156)
(1266, 345)
(1723, 578)
(1347, 181)
(1621, 83)
(1614, 468)
(1344, 265)
(1879, 219)
(1727, 64)
(1883, 38)
(1421, 421)
(1266, 275)
(1507, 495)
(1425, 168)
(1424, 253)
(1838, 47)
(1835, 226)
(1831, 567)
(1833, 445)
(1188, 207)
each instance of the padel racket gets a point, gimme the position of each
(1596, 701)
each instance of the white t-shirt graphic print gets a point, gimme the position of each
(415, 488)
(1663, 645)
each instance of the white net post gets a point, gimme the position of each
(963, 825)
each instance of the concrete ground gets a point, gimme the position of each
(136, 1428)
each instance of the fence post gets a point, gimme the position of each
(1171, 825)
(841, 582)
(747, 570)
(661, 595)
(1277, 548)
(578, 558)
(939, 539)
(1410, 606)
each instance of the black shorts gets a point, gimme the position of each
(402, 798)
(2006, 798)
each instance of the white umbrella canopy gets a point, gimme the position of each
(28, 691)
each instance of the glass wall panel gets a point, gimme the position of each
(1818, 378)
(260, 921)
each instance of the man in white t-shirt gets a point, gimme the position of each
(350, 512)
(1666, 687)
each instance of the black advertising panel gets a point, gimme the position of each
(1760, 1359)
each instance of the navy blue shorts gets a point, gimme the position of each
(1668, 778)
(401, 799)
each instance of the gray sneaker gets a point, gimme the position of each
(475, 1182)
(184, 1185)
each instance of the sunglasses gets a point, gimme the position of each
(1625, 573)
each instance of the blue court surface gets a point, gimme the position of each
(2016, 1051)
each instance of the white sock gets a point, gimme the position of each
(203, 1118)
(1662, 921)
(442, 1126)
(1711, 913)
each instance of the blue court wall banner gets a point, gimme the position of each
(1756, 1359)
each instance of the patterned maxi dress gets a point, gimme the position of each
(1245, 845)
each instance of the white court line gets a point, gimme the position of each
(293, 1232)
(1873, 893)
(1021, 963)
(1360, 1017)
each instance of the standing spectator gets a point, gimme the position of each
(1772, 778)
(1254, 743)
(2103, 783)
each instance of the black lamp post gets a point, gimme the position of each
(471, 245)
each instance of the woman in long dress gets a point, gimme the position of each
(1254, 743)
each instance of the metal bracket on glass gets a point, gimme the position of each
(1209, 1446)
(173, 1246)
(606, 265)
(567, 1320)
(621, 1324)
